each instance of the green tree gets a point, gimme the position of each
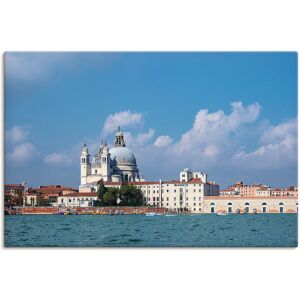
(130, 196)
(110, 198)
(101, 191)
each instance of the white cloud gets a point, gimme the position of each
(278, 149)
(23, 153)
(273, 134)
(211, 151)
(57, 159)
(140, 139)
(163, 141)
(17, 133)
(215, 128)
(123, 118)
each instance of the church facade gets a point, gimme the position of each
(117, 164)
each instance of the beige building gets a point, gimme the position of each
(31, 199)
(263, 192)
(236, 204)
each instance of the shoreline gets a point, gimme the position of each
(111, 210)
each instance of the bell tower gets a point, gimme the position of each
(105, 163)
(85, 166)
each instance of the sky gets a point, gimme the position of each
(230, 115)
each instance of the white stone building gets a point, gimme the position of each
(117, 164)
(76, 200)
(184, 194)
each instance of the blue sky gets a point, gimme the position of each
(231, 115)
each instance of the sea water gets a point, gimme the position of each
(205, 230)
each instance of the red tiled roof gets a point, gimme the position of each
(83, 194)
(192, 181)
(131, 182)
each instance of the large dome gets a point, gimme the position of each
(122, 155)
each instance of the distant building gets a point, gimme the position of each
(45, 195)
(258, 190)
(13, 193)
(77, 200)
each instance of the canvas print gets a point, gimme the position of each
(150, 149)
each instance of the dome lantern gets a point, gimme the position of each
(119, 139)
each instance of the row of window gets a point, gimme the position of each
(175, 191)
(75, 200)
(247, 203)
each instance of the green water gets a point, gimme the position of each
(261, 230)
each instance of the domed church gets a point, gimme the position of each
(117, 164)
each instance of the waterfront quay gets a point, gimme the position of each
(49, 210)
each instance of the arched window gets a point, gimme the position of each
(229, 208)
(264, 207)
(246, 210)
(212, 207)
(281, 207)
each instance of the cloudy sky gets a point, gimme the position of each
(231, 115)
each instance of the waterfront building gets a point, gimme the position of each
(76, 200)
(32, 199)
(45, 195)
(245, 204)
(187, 193)
(117, 164)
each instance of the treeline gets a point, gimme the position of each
(126, 195)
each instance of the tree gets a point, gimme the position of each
(110, 198)
(101, 189)
(130, 196)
